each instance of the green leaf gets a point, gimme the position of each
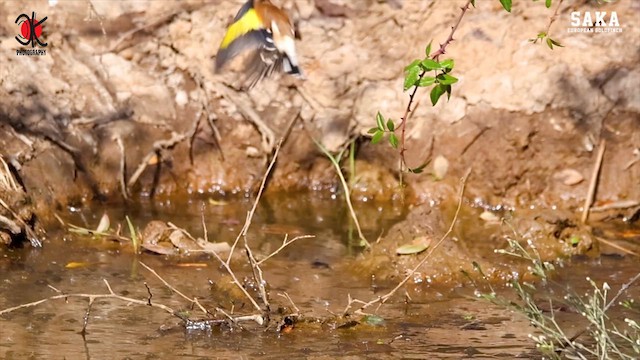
(134, 235)
(547, 3)
(415, 63)
(428, 49)
(412, 78)
(426, 81)
(429, 64)
(556, 43)
(473, 2)
(411, 249)
(446, 79)
(419, 169)
(377, 137)
(447, 64)
(380, 121)
(373, 130)
(550, 43)
(436, 92)
(574, 240)
(393, 140)
(506, 4)
(390, 125)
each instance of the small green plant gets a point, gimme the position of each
(601, 338)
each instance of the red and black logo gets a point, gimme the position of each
(30, 32)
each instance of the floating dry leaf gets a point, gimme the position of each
(220, 247)
(418, 245)
(181, 241)
(76, 265)
(217, 202)
(488, 216)
(161, 238)
(163, 248)
(569, 177)
(440, 167)
(197, 265)
(104, 224)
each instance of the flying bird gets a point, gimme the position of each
(267, 35)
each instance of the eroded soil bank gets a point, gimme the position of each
(125, 107)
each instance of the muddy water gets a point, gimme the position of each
(438, 322)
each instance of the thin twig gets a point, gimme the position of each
(31, 235)
(251, 115)
(123, 167)
(382, 299)
(247, 223)
(285, 243)
(593, 184)
(160, 145)
(236, 281)
(194, 300)
(347, 192)
(286, 296)
(263, 184)
(258, 277)
(85, 320)
(553, 17)
(6, 177)
(110, 295)
(622, 290)
(616, 246)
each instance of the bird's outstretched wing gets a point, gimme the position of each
(252, 40)
(260, 64)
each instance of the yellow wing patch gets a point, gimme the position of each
(248, 22)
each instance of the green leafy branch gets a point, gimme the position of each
(543, 36)
(416, 77)
(440, 83)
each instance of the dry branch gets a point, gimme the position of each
(268, 137)
(161, 145)
(93, 297)
(382, 299)
(194, 300)
(593, 184)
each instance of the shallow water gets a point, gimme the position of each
(438, 322)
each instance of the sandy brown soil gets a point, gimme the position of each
(128, 86)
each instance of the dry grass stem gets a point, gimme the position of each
(347, 192)
(194, 300)
(285, 243)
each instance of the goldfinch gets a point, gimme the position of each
(267, 33)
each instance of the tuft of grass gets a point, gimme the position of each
(602, 337)
(134, 236)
